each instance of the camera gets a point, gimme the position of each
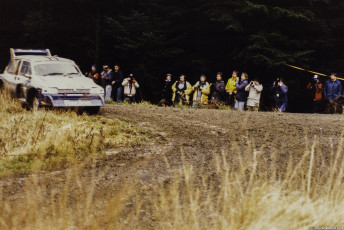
(131, 76)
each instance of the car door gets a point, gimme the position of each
(10, 75)
(23, 77)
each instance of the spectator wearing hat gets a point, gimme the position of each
(94, 75)
(130, 86)
(255, 90)
(103, 76)
(316, 90)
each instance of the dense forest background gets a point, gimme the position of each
(153, 37)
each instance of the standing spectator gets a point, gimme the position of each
(103, 76)
(241, 96)
(231, 88)
(280, 91)
(255, 90)
(219, 89)
(316, 89)
(181, 91)
(332, 88)
(166, 93)
(94, 75)
(202, 91)
(130, 86)
(108, 82)
(117, 83)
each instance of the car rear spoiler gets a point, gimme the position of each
(18, 52)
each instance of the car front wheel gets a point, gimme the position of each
(92, 110)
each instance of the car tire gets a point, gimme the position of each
(92, 110)
(33, 103)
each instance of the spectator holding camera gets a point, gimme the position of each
(202, 91)
(241, 96)
(280, 92)
(130, 86)
(255, 90)
(316, 91)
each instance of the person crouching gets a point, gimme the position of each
(202, 91)
(130, 86)
(255, 90)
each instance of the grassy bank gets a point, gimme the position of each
(245, 192)
(50, 140)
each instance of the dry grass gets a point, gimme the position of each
(239, 189)
(49, 140)
(243, 191)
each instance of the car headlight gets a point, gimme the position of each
(97, 90)
(50, 91)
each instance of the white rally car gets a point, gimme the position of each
(39, 79)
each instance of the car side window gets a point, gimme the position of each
(25, 68)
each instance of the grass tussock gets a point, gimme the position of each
(50, 140)
(235, 190)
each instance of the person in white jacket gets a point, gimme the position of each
(255, 90)
(130, 86)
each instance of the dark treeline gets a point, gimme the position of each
(153, 37)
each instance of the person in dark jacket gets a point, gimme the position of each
(241, 96)
(109, 82)
(166, 94)
(219, 89)
(332, 88)
(117, 83)
(280, 91)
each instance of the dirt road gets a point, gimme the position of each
(198, 134)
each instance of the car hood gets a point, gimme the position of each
(63, 82)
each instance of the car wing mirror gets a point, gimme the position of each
(28, 76)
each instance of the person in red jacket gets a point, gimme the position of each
(316, 88)
(94, 75)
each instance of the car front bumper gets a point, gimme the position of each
(61, 100)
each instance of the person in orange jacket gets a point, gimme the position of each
(94, 75)
(317, 89)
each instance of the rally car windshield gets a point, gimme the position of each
(54, 69)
